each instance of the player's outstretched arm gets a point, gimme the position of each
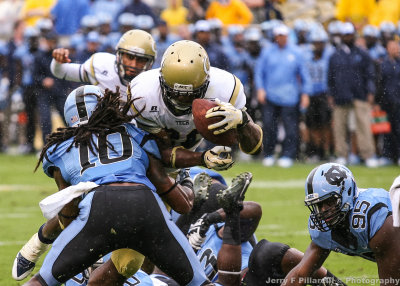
(312, 260)
(61, 66)
(179, 196)
(386, 247)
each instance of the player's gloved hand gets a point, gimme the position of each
(218, 158)
(184, 179)
(232, 117)
(197, 232)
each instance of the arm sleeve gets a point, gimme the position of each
(67, 71)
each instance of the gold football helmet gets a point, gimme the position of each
(136, 44)
(184, 75)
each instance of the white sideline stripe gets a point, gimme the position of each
(262, 184)
(5, 243)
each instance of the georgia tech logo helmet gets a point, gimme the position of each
(184, 75)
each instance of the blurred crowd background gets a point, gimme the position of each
(342, 56)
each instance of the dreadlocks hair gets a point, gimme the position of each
(108, 115)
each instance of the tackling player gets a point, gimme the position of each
(100, 146)
(349, 220)
(165, 95)
(135, 53)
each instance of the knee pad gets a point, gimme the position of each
(127, 261)
(265, 262)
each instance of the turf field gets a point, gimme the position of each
(279, 191)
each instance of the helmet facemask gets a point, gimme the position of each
(330, 191)
(144, 62)
(180, 98)
(326, 219)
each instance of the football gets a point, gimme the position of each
(199, 109)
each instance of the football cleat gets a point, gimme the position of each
(231, 199)
(22, 267)
(27, 257)
(201, 185)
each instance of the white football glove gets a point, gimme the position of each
(218, 158)
(197, 232)
(232, 117)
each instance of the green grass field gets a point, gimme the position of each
(279, 191)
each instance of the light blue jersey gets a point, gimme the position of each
(209, 252)
(318, 71)
(371, 208)
(126, 161)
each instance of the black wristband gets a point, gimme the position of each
(245, 120)
(169, 190)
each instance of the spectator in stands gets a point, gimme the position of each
(279, 93)
(318, 114)
(216, 30)
(49, 90)
(145, 23)
(351, 85)
(4, 92)
(67, 15)
(111, 7)
(175, 14)
(92, 45)
(385, 10)
(197, 10)
(127, 22)
(137, 7)
(9, 13)
(355, 11)
(390, 85)
(334, 29)
(236, 53)
(371, 36)
(253, 45)
(33, 10)
(163, 40)
(257, 8)
(24, 59)
(387, 31)
(230, 12)
(202, 35)
(272, 11)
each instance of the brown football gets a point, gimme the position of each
(199, 109)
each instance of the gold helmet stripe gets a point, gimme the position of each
(92, 73)
(235, 91)
(146, 124)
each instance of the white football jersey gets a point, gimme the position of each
(101, 70)
(155, 115)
